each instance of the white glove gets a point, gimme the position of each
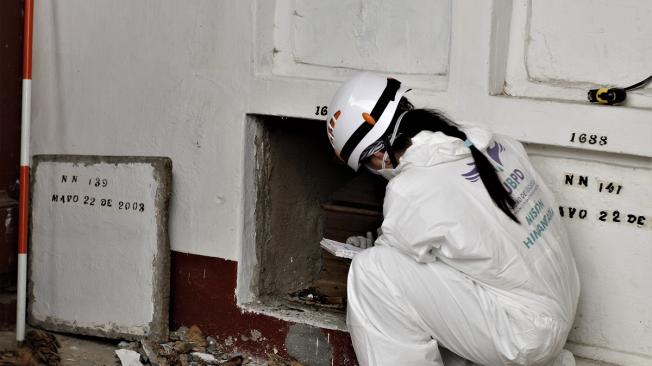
(361, 241)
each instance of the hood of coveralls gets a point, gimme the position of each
(431, 148)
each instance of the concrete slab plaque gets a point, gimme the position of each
(99, 254)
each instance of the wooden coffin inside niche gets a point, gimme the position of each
(354, 209)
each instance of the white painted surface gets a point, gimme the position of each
(332, 40)
(611, 46)
(26, 109)
(610, 227)
(152, 78)
(560, 49)
(178, 79)
(21, 297)
(358, 40)
(92, 260)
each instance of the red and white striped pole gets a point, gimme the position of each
(23, 211)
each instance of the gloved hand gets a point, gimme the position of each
(361, 241)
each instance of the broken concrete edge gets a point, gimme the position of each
(273, 145)
(158, 327)
(57, 326)
(162, 262)
(160, 162)
(262, 213)
(296, 314)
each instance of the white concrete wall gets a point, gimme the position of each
(178, 78)
(167, 78)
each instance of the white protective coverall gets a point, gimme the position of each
(451, 269)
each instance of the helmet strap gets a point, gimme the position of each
(389, 141)
(390, 152)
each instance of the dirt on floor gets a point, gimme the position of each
(73, 351)
(91, 351)
(54, 349)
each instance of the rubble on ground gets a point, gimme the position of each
(187, 347)
(39, 348)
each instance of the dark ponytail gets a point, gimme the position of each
(492, 183)
(417, 120)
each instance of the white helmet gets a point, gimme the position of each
(360, 113)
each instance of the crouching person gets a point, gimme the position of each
(472, 255)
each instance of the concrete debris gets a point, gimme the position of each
(256, 335)
(125, 345)
(212, 346)
(229, 341)
(183, 347)
(179, 334)
(204, 357)
(195, 336)
(128, 357)
(189, 347)
(167, 348)
(152, 350)
(186, 347)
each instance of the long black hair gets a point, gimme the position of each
(417, 120)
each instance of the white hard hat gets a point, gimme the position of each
(360, 113)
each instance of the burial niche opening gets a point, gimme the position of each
(303, 194)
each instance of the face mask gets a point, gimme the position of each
(387, 173)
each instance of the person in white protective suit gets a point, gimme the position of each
(472, 255)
